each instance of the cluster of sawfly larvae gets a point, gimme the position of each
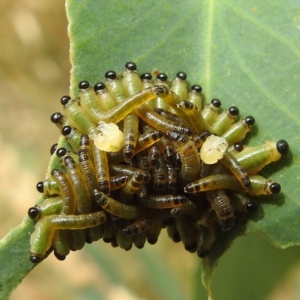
(142, 155)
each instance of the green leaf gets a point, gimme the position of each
(15, 247)
(243, 53)
(14, 258)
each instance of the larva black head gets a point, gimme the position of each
(61, 152)
(152, 240)
(233, 110)
(238, 146)
(181, 75)
(216, 102)
(202, 253)
(35, 259)
(59, 256)
(249, 120)
(107, 239)
(66, 130)
(191, 247)
(228, 224)
(196, 88)
(56, 117)
(282, 147)
(146, 76)
(275, 188)
(131, 66)
(128, 248)
(251, 207)
(114, 243)
(88, 239)
(99, 86)
(176, 237)
(162, 77)
(65, 100)
(33, 213)
(40, 186)
(110, 75)
(83, 85)
(53, 148)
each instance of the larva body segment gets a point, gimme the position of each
(161, 202)
(147, 139)
(211, 111)
(188, 234)
(116, 208)
(242, 203)
(131, 132)
(72, 137)
(224, 120)
(263, 186)
(231, 163)
(89, 101)
(132, 85)
(220, 203)
(132, 186)
(253, 159)
(143, 223)
(105, 99)
(179, 85)
(195, 117)
(124, 108)
(50, 206)
(194, 96)
(205, 240)
(238, 130)
(147, 81)
(61, 247)
(172, 117)
(87, 169)
(116, 182)
(158, 122)
(45, 229)
(66, 190)
(189, 157)
(102, 171)
(48, 186)
(159, 175)
(131, 80)
(82, 197)
(77, 117)
(212, 182)
(115, 86)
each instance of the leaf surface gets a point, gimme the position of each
(241, 52)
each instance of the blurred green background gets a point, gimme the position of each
(34, 70)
